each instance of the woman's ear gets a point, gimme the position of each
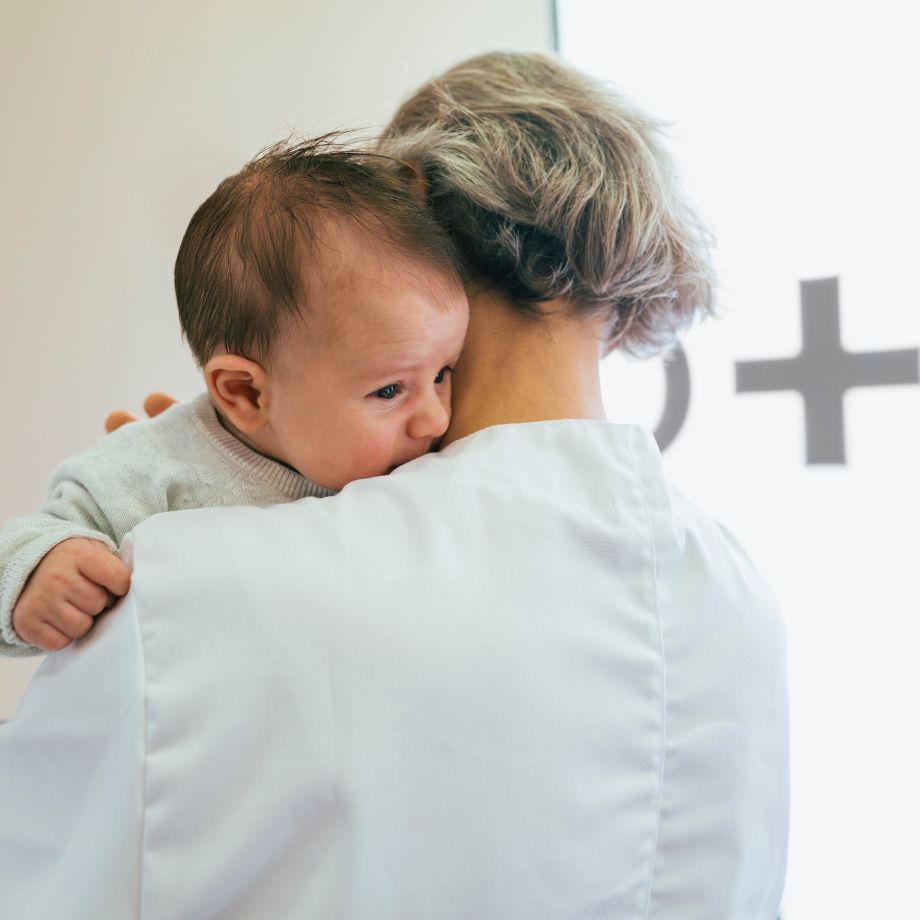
(240, 390)
(416, 179)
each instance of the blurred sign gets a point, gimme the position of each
(821, 372)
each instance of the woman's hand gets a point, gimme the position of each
(154, 404)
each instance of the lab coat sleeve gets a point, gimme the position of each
(72, 777)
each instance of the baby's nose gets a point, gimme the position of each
(431, 420)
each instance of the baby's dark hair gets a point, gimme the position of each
(239, 271)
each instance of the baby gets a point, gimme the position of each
(326, 310)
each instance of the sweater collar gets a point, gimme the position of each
(277, 475)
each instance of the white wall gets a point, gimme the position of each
(118, 120)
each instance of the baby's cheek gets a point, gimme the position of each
(377, 455)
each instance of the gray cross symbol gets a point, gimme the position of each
(823, 371)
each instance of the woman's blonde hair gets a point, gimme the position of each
(554, 186)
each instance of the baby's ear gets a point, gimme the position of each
(240, 390)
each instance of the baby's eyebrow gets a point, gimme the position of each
(389, 370)
(396, 368)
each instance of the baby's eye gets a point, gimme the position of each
(390, 391)
(439, 378)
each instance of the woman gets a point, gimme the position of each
(520, 678)
(578, 241)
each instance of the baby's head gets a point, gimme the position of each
(326, 309)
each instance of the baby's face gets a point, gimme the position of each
(363, 383)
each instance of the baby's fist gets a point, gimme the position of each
(75, 582)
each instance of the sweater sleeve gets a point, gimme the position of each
(93, 496)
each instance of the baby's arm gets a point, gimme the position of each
(49, 588)
(75, 582)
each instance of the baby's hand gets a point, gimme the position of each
(75, 582)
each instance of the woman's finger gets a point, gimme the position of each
(156, 403)
(117, 419)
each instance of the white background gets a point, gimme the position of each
(118, 119)
(796, 127)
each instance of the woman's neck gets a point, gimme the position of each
(517, 368)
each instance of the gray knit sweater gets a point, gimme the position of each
(183, 458)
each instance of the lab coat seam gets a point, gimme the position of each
(143, 784)
(662, 747)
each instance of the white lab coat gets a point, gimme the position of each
(521, 678)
